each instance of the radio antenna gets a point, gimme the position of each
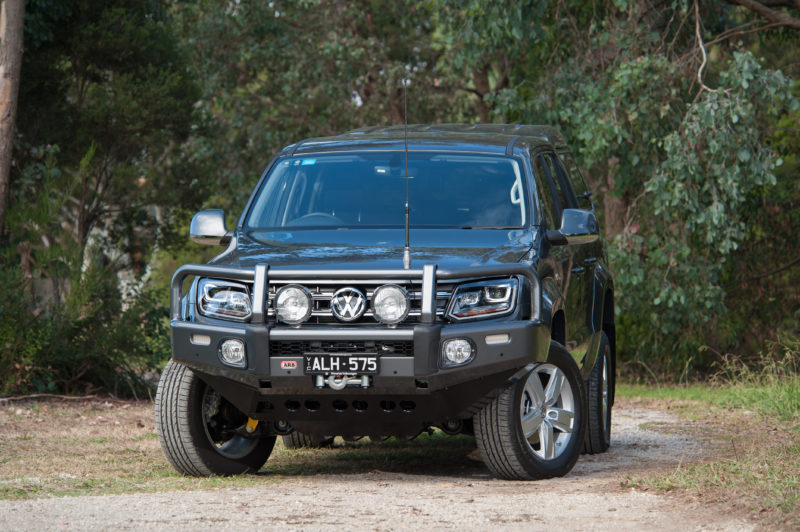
(407, 250)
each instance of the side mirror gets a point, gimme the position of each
(208, 228)
(578, 226)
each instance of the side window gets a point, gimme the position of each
(547, 192)
(582, 193)
(559, 175)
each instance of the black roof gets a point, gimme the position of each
(482, 138)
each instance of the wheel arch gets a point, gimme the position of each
(608, 326)
(558, 327)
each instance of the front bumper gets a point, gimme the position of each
(410, 389)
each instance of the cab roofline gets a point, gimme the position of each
(496, 139)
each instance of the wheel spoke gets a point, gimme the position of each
(531, 423)
(553, 390)
(546, 447)
(533, 386)
(561, 419)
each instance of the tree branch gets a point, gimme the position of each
(702, 48)
(734, 32)
(773, 272)
(768, 11)
(47, 396)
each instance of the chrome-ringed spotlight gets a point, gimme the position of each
(292, 304)
(390, 304)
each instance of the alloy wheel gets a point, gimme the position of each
(547, 411)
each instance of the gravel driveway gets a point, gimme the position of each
(589, 498)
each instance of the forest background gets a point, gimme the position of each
(132, 115)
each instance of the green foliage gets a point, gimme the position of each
(679, 173)
(769, 384)
(65, 323)
(277, 72)
(713, 165)
(111, 78)
(484, 42)
(105, 103)
(134, 115)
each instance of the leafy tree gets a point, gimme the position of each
(280, 71)
(133, 114)
(105, 102)
(482, 42)
(676, 166)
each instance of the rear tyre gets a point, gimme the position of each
(600, 393)
(200, 432)
(299, 440)
(535, 428)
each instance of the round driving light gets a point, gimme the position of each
(390, 304)
(457, 351)
(293, 304)
(232, 353)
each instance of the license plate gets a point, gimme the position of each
(325, 364)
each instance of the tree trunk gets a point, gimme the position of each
(481, 80)
(614, 207)
(12, 16)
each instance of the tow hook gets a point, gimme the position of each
(340, 382)
(251, 426)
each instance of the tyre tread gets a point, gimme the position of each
(172, 423)
(300, 440)
(595, 442)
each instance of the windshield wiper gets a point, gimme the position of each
(488, 227)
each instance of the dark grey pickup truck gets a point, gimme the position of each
(387, 281)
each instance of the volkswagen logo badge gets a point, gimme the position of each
(348, 304)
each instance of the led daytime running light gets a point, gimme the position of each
(483, 299)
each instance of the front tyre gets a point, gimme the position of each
(201, 433)
(535, 428)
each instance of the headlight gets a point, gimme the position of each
(484, 298)
(223, 299)
(293, 304)
(390, 304)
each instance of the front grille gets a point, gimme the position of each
(296, 349)
(322, 293)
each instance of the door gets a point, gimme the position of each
(574, 259)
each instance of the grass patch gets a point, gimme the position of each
(56, 450)
(762, 481)
(761, 469)
(775, 396)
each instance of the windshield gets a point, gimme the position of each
(356, 190)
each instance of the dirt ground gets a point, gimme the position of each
(46, 451)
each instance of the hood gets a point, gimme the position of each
(377, 248)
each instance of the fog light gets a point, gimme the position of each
(457, 352)
(232, 353)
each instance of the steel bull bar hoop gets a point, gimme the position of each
(262, 273)
(218, 272)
